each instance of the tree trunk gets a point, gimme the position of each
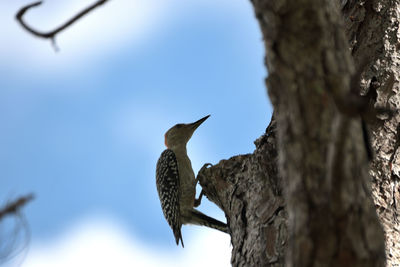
(303, 198)
(372, 28)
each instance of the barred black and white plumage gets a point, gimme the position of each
(167, 180)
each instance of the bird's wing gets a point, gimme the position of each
(168, 187)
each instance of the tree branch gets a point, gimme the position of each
(52, 34)
(249, 191)
(14, 206)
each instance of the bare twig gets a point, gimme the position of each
(52, 34)
(13, 207)
(15, 234)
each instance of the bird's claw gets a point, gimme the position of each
(198, 200)
(205, 166)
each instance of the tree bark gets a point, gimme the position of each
(332, 220)
(303, 198)
(372, 28)
(248, 189)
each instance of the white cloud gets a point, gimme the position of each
(99, 242)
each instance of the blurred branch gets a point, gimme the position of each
(13, 207)
(52, 34)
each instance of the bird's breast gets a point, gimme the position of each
(187, 182)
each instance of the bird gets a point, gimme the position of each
(176, 182)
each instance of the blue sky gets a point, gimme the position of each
(83, 128)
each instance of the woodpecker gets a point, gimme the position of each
(176, 182)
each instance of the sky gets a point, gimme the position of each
(82, 128)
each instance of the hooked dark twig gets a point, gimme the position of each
(52, 34)
(13, 207)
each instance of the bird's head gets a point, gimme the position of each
(180, 134)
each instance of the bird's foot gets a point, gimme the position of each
(197, 201)
(205, 166)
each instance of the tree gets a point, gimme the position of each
(305, 192)
(304, 196)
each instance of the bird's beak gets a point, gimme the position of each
(196, 124)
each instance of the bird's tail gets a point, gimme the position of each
(178, 235)
(199, 218)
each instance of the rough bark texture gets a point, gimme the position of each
(372, 28)
(248, 189)
(332, 219)
(312, 204)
